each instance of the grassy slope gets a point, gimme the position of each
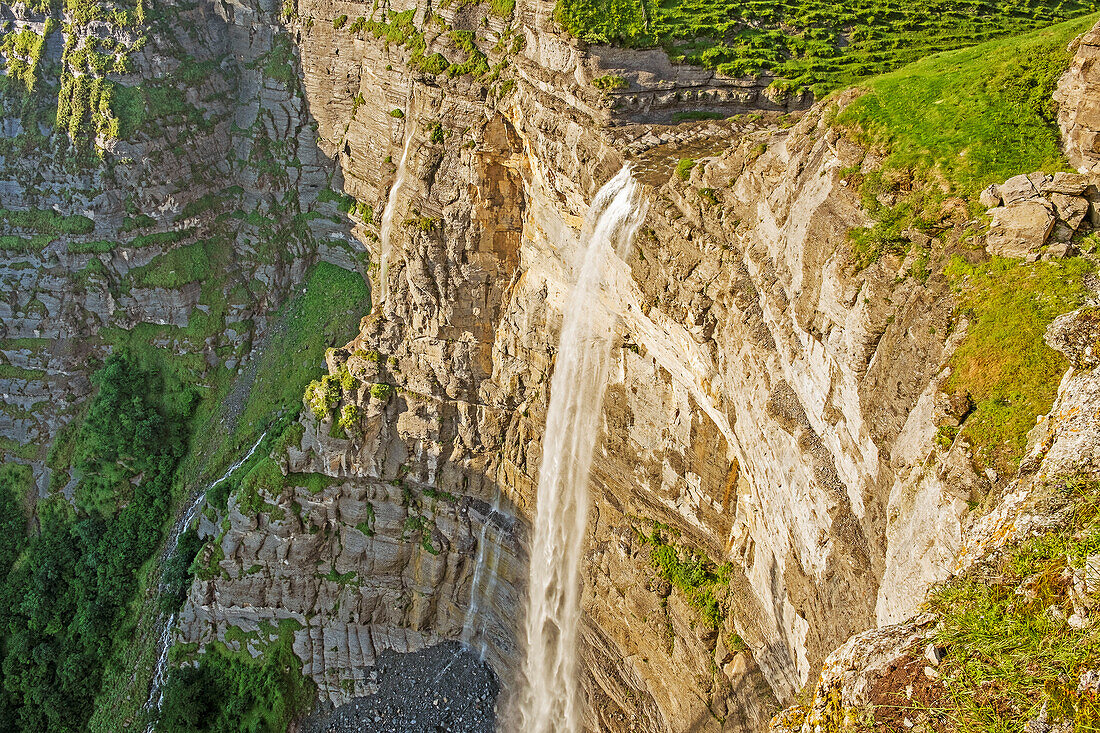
(976, 115)
(947, 126)
(1008, 652)
(809, 43)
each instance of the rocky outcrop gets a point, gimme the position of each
(1078, 105)
(895, 666)
(1037, 215)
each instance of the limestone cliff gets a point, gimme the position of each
(773, 407)
(773, 412)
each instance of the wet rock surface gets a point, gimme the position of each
(444, 688)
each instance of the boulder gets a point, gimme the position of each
(991, 196)
(1019, 229)
(1070, 184)
(1070, 209)
(1018, 189)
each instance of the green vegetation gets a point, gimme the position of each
(228, 691)
(683, 168)
(809, 45)
(35, 243)
(703, 584)
(609, 82)
(175, 268)
(63, 605)
(952, 124)
(47, 221)
(1009, 650)
(339, 21)
(96, 247)
(350, 418)
(176, 579)
(327, 311)
(974, 117)
(381, 391)
(1003, 363)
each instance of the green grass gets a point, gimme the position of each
(47, 221)
(950, 125)
(1003, 363)
(1006, 654)
(975, 116)
(327, 313)
(175, 268)
(808, 43)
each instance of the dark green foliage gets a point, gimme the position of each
(176, 579)
(229, 693)
(61, 605)
(15, 482)
(810, 44)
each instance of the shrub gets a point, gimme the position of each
(339, 21)
(609, 82)
(683, 168)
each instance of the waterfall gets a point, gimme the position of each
(488, 557)
(387, 214)
(156, 691)
(549, 703)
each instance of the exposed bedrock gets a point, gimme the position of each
(770, 407)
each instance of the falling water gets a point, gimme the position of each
(387, 215)
(156, 692)
(550, 701)
(488, 557)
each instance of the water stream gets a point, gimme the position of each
(387, 214)
(156, 691)
(550, 701)
(474, 631)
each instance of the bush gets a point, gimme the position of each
(609, 82)
(339, 21)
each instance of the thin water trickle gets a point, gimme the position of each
(550, 700)
(387, 214)
(156, 691)
(474, 630)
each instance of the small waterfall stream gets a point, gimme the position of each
(550, 700)
(474, 630)
(156, 690)
(387, 214)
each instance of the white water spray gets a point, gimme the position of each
(387, 214)
(474, 631)
(550, 700)
(156, 691)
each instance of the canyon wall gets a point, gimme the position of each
(772, 409)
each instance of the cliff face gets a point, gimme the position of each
(771, 408)
(124, 221)
(772, 412)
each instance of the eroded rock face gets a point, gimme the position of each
(1079, 105)
(770, 406)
